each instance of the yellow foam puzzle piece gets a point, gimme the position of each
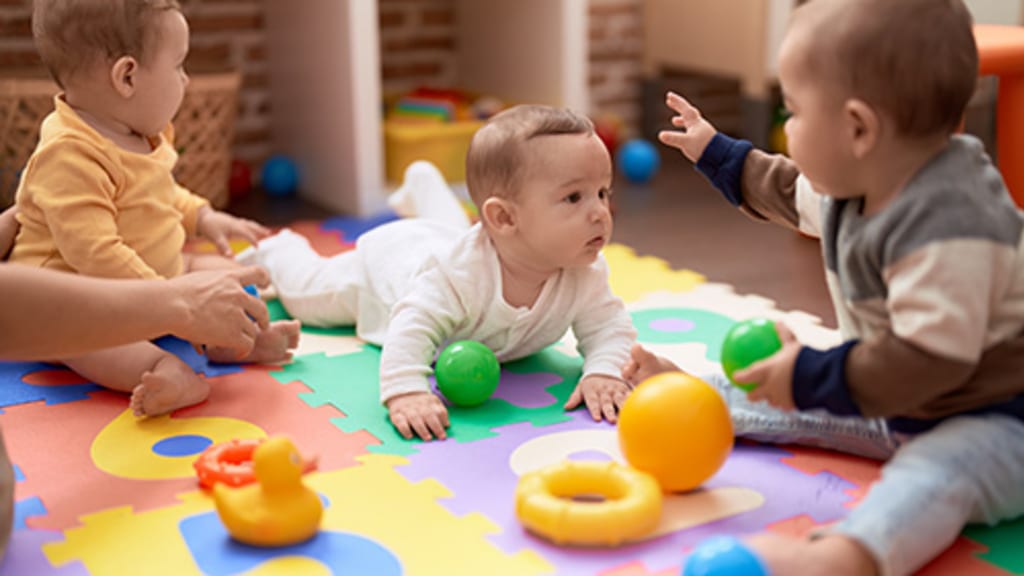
(371, 500)
(124, 447)
(632, 276)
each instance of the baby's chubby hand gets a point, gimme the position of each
(696, 132)
(774, 375)
(422, 412)
(220, 227)
(603, 395)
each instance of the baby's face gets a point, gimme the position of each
(563, 202)
(161, 79)
(816, 135)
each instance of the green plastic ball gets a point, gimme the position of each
(467, 373)
(746, 343)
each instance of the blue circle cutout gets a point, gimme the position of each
(184, 445)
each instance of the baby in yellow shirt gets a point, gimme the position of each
(97, 197)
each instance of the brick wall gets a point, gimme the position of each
(417, 47)
(616, 49)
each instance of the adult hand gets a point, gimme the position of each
(216, 309)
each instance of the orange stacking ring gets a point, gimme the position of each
(231, 463)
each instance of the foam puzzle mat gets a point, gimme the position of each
(99, 492)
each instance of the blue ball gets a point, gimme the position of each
(280, 176)
(723, 556)
(638, 160)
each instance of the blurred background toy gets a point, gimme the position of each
(608, 127)
(638, 160)
(280, 176)
(240, 180)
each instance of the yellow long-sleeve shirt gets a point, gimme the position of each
(87, 205)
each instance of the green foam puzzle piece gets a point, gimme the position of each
(1003, 543)
(708, 328)
(350, 383)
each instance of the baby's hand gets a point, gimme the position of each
(220, 227)
(696, 132)
(774, 375)
(603, 395)
(422, 412)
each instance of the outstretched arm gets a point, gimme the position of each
(47, 314)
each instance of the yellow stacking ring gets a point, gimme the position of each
(553, 502)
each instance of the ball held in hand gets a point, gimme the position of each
(748, 342)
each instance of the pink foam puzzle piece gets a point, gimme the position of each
(961, 559)
(862, 472)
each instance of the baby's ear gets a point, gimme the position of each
(862, 125)
(498, 215)
(122, 75)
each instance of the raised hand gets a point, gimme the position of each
(695, 131)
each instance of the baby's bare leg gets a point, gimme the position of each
(275, 344)
(158, 381)
(832, 555)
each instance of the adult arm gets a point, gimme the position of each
(47, 314)
(8, 230)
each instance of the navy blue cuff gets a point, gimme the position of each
(819, 380)
(722, 164)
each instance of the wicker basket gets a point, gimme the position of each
(204, 131)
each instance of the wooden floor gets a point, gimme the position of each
(680, 218)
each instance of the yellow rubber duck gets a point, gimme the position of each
(278, 510)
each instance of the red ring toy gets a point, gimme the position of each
(231, 463)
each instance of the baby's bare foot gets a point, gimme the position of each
(167, 388)
(643, 364)
(832, 555)
(275, 344)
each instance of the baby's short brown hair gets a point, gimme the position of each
(495, 161)
(913, 60)
(73, 34)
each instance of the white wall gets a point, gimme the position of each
(1008, 12)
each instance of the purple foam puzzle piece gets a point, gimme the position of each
(25, 556)
(527, 390)
(490, 491)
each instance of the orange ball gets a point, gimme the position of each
(676, 428)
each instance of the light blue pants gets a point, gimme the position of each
(967, 469)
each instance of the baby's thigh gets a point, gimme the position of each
(978, 460)
(121, 367)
